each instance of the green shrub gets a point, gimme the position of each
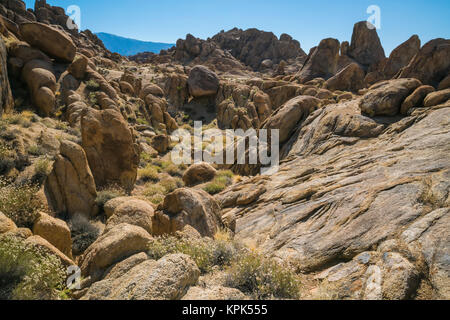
(19, 203)
(262, 277)
(170, 184)
(60, 125)
(222, 180)
(206, 252)
(92, 98)
(109, 193)
(27, 273)
(42, 169)
(84, 233)
(214, 188)
(35, 150)
(92, 85)
(7, 159)
(149, 173)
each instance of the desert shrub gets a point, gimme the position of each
(223, 179)
(61, 125)
(149, 173)
(19, 203)
(13, 118)
(7, 159)
(206, 252)
(163, 164)
(92, 85)
(92, 97)
(174, 170)
(170, 184)
(35, 150)
(146, 158)
(28, 273)
(42, 169)
(84, 233)
(214, 188)
(154, 193)
(262, 277)
(109, 193)
(142, 121)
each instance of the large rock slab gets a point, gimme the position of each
(70, 187)
(401, 56)
(386, 98)
(6, 98)
(114, 245)
(351, 78)
(55, 231)
(321, 62)
(110, 146)
(339, 195)
(134, 212)
(166, 279)
(365, 47)
(288, 117)
(6, 224)
(431, 64)
(198, 173)
(202, 82)
(188, 207)
(40, 78)
(50, 40)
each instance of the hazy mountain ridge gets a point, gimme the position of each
(127, 46)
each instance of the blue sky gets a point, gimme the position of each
(307, 21)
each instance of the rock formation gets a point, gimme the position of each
(70, 187)
(110, 148)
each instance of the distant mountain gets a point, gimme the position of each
(128, 47)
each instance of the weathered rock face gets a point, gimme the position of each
(198, 173)
(240, 106)
(351, 78)
(16, 11)
(134, 212)
(253, 46)
(386, 98)
(6, 99)
(116, 244)
(78, 66)
(401, 56)
(48, 14)
(202, 82)
(339, 195)
(50, 40)
(54, 231)
(70, 187)
(287, 118)
(431, 64)
(177, 90)
(194, 51)
(39, 76)
(6, 224)
(365, 47)
(188, 207)
(435, 98)
(110, 147)
(166, 279)
(416, 98)
(322, 61)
